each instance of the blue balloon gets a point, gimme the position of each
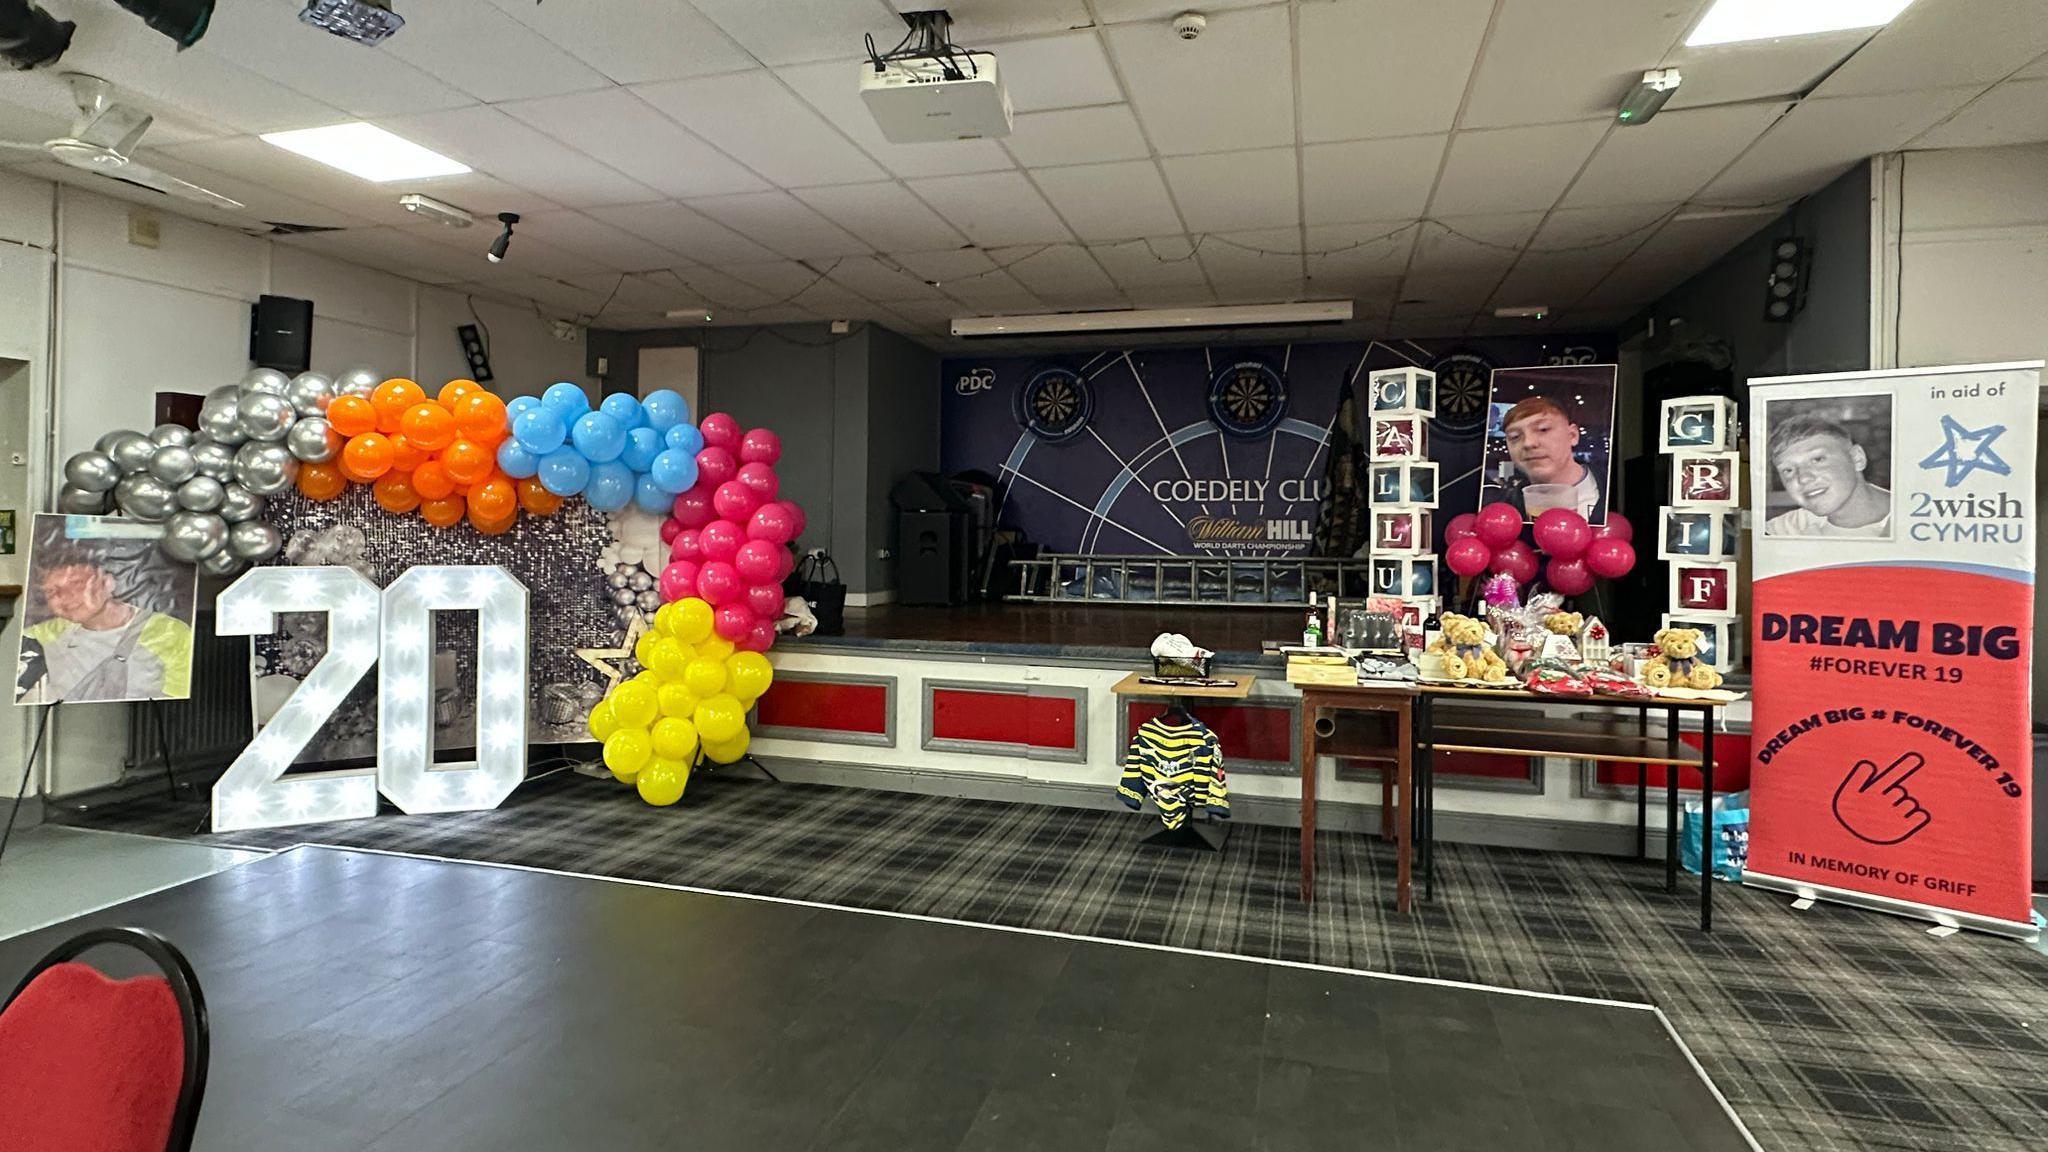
(565, 398)
(685, 438)
(675, 470)
(623, 408)
(642, 445)
(665, 409)
(515, 461)
(520, 404)
(652, 497)
(610, 487)
(599, 437)
(539, 430)
(564, 472)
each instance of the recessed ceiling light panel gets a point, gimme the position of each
(367, 151)
(1734, 21)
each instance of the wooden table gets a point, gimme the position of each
(1399, 701)
(1189, 835)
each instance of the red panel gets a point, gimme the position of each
(1004, 718)
(1246, 731)
(825, 706)
(1731, 766)
(1478, 764)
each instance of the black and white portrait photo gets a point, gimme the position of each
(1830, 467)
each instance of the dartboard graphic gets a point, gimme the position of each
(1054, 404)
(1248, 398)
(1463, 381)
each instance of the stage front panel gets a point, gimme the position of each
(1249, 733)
(803, 707)
(971, 716)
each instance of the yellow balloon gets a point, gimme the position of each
(667, 656)
(661, 783)
(676, 700)
(675, 738)
(729, 751)
(627, 751)
(693, 620)
(643, 649)
(720, 718)
(649, 677)
(749, 673)
(634, 704)
(705, 677)
(602, 723)
(665, 619)
(715, 648)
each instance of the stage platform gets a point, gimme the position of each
(370, 1001)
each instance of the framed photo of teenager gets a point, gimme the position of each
(108, 617)
(1549, 440)
(1828, 466)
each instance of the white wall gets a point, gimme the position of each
(1969, 283)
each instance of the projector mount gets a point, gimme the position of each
(929, 40)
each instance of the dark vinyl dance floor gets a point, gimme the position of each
(369, 1001)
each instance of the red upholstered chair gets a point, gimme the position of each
(92, 1064)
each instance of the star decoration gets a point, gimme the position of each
(607, 660)
(1950, 455)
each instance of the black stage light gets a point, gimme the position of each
(504, 240)
(184, 21)
(30, 36)
(363, 21)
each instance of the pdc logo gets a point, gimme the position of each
(975, 381)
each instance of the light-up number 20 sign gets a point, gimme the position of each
(364, 627)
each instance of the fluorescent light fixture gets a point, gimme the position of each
(1522, 312)
(367, 151)
(1731, 212)
(1232, 316)
(1734, 21)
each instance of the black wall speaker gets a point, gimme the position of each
(1791, 274)
(281, 333)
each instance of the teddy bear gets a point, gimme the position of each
(1465, 652)
(1677, 663)
(1564, 623)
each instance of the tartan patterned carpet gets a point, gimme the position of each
(1829, 1029)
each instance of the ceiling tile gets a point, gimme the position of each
(1758, 69)
(1818, 139)
(1598, 233)
(1548, 283)
(885, 215)
(1671, 157)
(1342, 256)
(1473, 243)
(1448, 292)
(392, 249)
(490, 141)
(832, 88)
(484, 52)
(1609, 42)
(2015, 112)
(203, 89)
(759, 122)
(717, 288)
(38, 106)
(1369, 179)
(1235, 190)
(1512, 169)
(624, 132)
(880, 279)
(1179, 89)
(612, 247)
(946, 265)
(1055, 71)
(252, 159)
(260, 201)
(267, 39)
(684, 232)
(1066, 278)
(993, 292)
(1122, 201)
(1126, 11)
(1942, 44)
(781, 278)
(799, 31)
(634, 41)
(977, 20)
(1386, 67)
(1152, 263)
(783, 223)
(993, 208)
(1261, 261)
(654, 292)
(1077, 136)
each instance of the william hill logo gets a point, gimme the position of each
(1224, 532)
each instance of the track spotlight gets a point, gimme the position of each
(182, 20)
(30, 36)
(504, 240)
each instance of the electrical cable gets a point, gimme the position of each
(483, 329)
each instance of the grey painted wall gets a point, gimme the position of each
(903, 436)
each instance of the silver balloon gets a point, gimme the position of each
(80, 502)
(106, 443)
(254, 540)
(222, 563)
(313, 439)
(214, 459)
(310, 393)
(617, 581)
(265, 469)
(202, 494)
(238, 504)
(224, 392)
(623, 597)
(265, 380)
(145, 497)
(168, 434)
(193, 536)
(93, 471)
(131, 451)
(221, 420)
(360, 380)
(263, 416)
(641, 579)
(173, 464)
(647, 601)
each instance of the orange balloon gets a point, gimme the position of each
(467, 461)
(494, 499)
(321, 481)
(431, 481)
(366, 457)
(536, 499)
(352, 415)
(394, 493)
(491, 526)
(481, 416)
(396, 395)
(452, 392)
(405, 456)
(428, 425)
(443, 512)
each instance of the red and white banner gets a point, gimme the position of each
(1893, 524)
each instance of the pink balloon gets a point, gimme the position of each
(735, 501)
(720, 430)
(760, 637)
(693, 509)
(760, 446)
(1467, 557)
(1563, 533)
(720, 540)
(670, 530)
(761, 478)
(1519, 561)
(773, 523)
(755, 562)
(1462, 525)
(1498, 524)
(1616, 528)
(718, 583)
(1610, 558)
(679, 580)
(1569, 577)
(714, 467)
(766, 600)
(796, 511)
(686, 546)
(785, 563)
(732, 621)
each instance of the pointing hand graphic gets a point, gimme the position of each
(1875, 805)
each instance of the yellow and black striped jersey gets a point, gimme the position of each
(1180, 766)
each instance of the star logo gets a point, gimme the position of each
(1965, 451)
(609, 661)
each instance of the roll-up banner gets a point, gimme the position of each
(1893, 527)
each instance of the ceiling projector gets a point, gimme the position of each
(926, 89)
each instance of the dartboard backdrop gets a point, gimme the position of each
(1197, 451)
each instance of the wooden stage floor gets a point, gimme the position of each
(1234, 630)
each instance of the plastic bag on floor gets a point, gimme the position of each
(1731, 836)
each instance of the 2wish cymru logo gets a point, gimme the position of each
(974, 381)
(2000, 516)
